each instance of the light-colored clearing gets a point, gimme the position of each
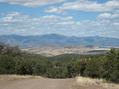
(81, 81)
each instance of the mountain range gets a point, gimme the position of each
(58, 40)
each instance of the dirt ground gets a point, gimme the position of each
(18, 82)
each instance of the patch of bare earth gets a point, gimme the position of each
(36, 82)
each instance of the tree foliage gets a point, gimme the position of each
(13, 61)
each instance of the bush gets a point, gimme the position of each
(111, 66)
(7, 64)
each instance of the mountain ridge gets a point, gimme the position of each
(58, 40)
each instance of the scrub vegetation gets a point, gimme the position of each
(13, 61)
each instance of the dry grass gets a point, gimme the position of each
(81, 81)
(15, 77)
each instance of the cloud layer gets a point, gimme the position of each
(56, 17)
(31, 3)
(86, 5)
(17, 23)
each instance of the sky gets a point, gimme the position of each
(66, 17)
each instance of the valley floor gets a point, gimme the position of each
(30, 82)
(54, 51)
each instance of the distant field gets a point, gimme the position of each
(37, 82)
(53, 51)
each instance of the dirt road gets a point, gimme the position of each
(19, 82)
(37, 84)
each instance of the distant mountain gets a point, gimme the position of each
(58, 40)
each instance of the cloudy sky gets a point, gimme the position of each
(66, 17)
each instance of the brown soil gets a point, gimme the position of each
(45, 83)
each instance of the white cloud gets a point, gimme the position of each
(31, 3)
(54, 10)
(105, 15)
(108, 16)
(116, 23)
(87, 5)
